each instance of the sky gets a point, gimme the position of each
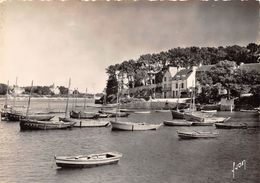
(50, 42)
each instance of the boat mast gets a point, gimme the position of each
(66, 110)
(178, 89)
(29, 101)
(14, 91)
(6, 95)
(117, 97)
(85, 99)
(193, 99)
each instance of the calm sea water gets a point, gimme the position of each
(148, 156)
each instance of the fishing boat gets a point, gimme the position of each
(131, 126)
(198, 116)
(249, 111)
(126, 110)
(142, 112)
(196, 134)
(176, 114)
(177, 123)
(83, 115)
(87, 161)
(209, 111)
(113, 113)
(86, 123)
(163, 110)
(16, 116)
(230, 126)
(28, 124)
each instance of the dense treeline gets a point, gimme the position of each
(39, 90)
(135, 71)
(234, 81)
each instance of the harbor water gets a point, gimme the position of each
(148, 156)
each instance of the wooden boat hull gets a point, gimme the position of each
(196, 135)
(142, 112)
(209, 111)
(203, 117)
(18, 117)
(130, 126)
(177, 114)
(83, 115)
(78, 162)
(230, 126)
(166, 110)
(249, 111)
(86, 123)
(112, 114)
(26, 124)
(177, 123)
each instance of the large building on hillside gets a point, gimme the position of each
(167, 82)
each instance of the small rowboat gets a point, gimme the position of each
(131, 126)
(27, 124)
(113, 113)
(142, 112)
(126, 110)
(196, 134)
(209, 111)
(87, 161)
(163, 110)
(177, 123)
(231, 126)
(86, 123)
(250, 111)
(83, 115)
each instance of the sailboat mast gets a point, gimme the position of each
(178, 90)
(85, 99)
(67, 103)
(6, 95)
(29, 101)
(14, 91)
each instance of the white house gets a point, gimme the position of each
(184, 82)
(167, 82)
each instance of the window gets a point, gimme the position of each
(182, 85)
(176, 85)
(164, 78)
(165, 85)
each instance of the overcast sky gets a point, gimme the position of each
(50, 42)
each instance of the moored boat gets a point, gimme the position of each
(196, 116)
(112, 114)
(27, 124)
(83, 115)
(142, 112)
(131, 126)
(250, 111)
(86, 123)
(87, 161)
(177, 123)
(209, 111)
(231, 126)
(196, 134)
(176, 114)
(163, 110)
(15, 116)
